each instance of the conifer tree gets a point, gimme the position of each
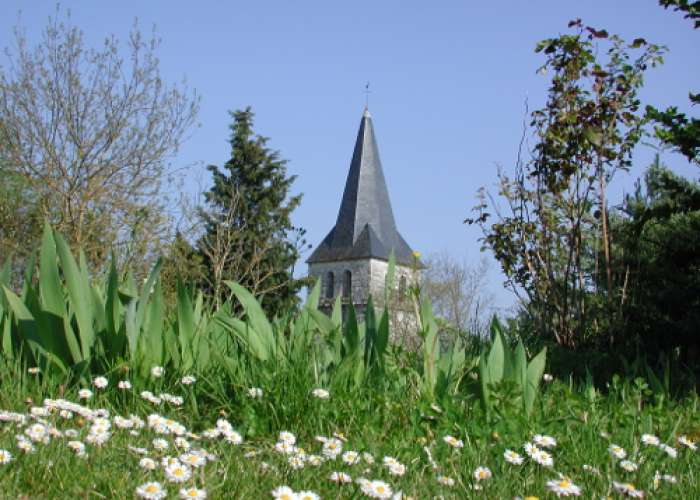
(249, 237)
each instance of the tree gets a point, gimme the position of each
(658, 244)
(555, 240)
(675, 129)
(90, 134)
(249, 237)
(456, 291)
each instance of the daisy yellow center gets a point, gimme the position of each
(482, 474)
(285, 496)
(178, 472)
(192, 493)
(151, 488)
(380, 488)
(564, 483)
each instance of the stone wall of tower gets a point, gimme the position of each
(369, 276)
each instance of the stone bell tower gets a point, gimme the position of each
(352, 260)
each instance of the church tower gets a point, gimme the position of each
(352, 260)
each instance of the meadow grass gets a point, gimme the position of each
(400, 439)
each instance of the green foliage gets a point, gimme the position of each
(658, 237)
(556, 237)
(249, 235)
(501, 366)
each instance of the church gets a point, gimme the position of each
(352, 260)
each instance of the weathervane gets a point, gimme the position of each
(367, 92)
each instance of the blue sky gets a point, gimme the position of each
(448, 80)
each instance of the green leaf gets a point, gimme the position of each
(535, 370)
(314, 295)
(79, 294)
(255, 316)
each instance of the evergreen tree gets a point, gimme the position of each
(249, 237)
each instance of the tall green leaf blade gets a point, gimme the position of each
(79, 293)
(520, 366)
(496, 359)
(255, 315)
(50, 289)
(314, 295)
(535, 370)
(152, 333)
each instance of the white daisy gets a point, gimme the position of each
(308, 495)
(157, 371)
(193, 494)
(124, 385)
(151, 491)
(255, 392)
(628, 489)
(482, 473)
(650, 440)
(177, 473)
(512, 457)
(563, 487)
(351, 457)
(340, 477)
(544, 441)
(100, 382)
(5, 457)
(147, 463)
(628, 465)
(320, 393)
(446, 480)
(188, 380)
(84, 394)
(453, 441)
(688, 443)
(617, 451)
(284, 493)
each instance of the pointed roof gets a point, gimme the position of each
(365, 226)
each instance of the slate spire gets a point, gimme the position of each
(365, 226)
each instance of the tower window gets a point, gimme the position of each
(330, 285)
(347, 284)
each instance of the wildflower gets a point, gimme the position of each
(628, 489)
(482, 473)
(157, 371)
(512, 457)
(151, 491)
(285, 448)
(628, 465)
(315, 460)
(193, 459)
(617, 451)
(340, 477)
(688, 443)
(650, 440)
(255, 392)
(77, 447)
(84, 394)
(669, 450)
(658, 477)
(284, 493)
(25, 445)
(563, 487)
(160, 444)
(296, 461)
(70, 433)
(177, 473)
(124, 385)
(446, 480)
(453, 441)
(34, 370)
(416, 254)
(193, 493)
(351, 457)
(38, 433)
(332, 448)
(547, 377)
(65, 414)
(542, 458)
(100, 382)
(147, 463)
(307, 495)
(320, 393)
(188, 380)
(288, 437)
(530, 449)
(397, 469)
(39, 411)
(544, 441)
(377, 489)
(5, 457)
(367, 457)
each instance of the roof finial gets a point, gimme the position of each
(367, 92)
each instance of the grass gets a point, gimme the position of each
(384, 422)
